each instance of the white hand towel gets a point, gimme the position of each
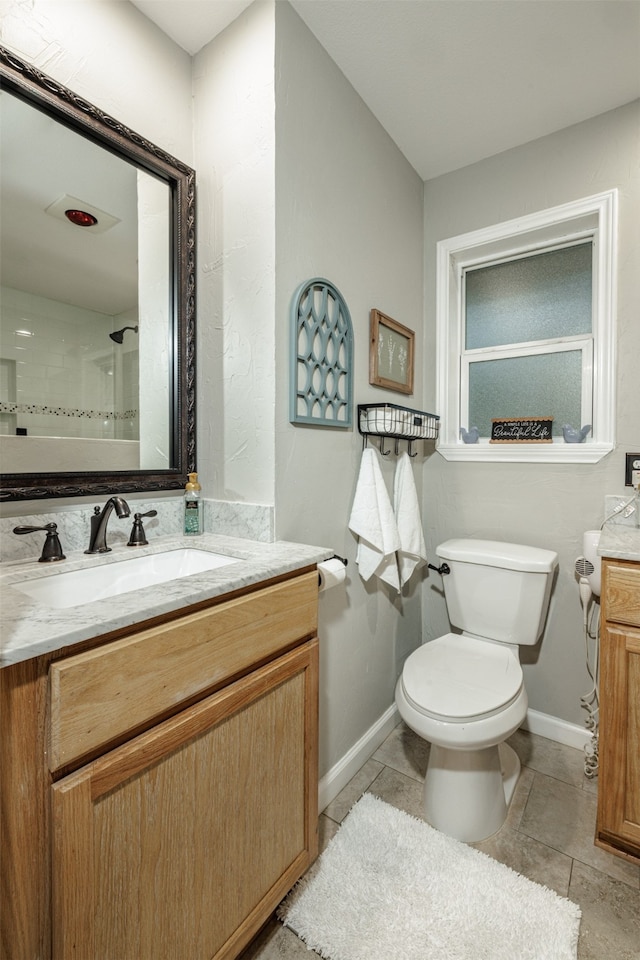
(373, 522)
(412, 552)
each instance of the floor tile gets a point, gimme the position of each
(547, 756)
(547, 837)
(399, 791)
(340, 806)
(591, 786)
(405, 751)
(277, 943)
(327, 829)
(563, 817)
(519, 799)
(525, 855)
(532, 859)
(610, 925)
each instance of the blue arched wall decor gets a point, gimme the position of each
(321, 356)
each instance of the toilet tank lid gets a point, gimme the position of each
(495, 553)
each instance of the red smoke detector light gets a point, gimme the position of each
(81, 218)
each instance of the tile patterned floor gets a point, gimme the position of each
(548, 837)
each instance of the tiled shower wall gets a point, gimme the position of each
(61, 374)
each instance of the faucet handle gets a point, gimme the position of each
(52, 549)
(137, 537)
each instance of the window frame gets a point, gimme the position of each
(591, 218)
(536, 348)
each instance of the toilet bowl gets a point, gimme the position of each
(464, 692)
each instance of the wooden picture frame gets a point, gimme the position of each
(391, 354)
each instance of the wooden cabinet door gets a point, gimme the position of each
(619, 793)
(180, 843)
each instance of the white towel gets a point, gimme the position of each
(412, 552)
(373, 522)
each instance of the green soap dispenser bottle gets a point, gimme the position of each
(192, 507)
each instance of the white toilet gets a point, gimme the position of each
(464, 693)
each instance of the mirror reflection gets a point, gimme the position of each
(97, 307)
(85, 302)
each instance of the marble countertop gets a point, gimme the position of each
(30, 629)
(620, 541)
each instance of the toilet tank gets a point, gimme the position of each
(497, 590)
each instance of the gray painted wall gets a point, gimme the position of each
(541, 504)
(348, 208)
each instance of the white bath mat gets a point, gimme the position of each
(390, 887)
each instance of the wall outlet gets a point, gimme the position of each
(632, 465)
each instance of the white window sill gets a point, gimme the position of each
(556, 452)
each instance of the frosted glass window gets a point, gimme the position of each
(526, 327)
(543, 385)
(532, 298)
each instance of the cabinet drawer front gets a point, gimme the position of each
(101, 695)
(622, 593)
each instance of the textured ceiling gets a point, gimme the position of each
(454, 81)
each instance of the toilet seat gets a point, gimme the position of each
(458, 679)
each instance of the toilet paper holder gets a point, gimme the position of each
(328, 577)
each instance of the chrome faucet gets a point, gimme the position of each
(99, 520)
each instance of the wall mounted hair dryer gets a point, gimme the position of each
(588, 568)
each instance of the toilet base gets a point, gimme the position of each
(467, 792)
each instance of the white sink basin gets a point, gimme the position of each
(77, 587)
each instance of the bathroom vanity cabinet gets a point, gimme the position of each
(618, 821)
(159, 786)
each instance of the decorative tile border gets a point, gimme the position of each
(39, 408)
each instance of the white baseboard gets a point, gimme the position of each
(553, 728)
(339, 775)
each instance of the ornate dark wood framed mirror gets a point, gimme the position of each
(97, 332)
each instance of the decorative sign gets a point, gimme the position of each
(522, 430)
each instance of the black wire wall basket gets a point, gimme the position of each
(396, 422)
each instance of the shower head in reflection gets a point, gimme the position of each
(118, 335)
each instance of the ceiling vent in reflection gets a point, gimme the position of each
(67, 205)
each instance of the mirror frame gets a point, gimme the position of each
(28, 83)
